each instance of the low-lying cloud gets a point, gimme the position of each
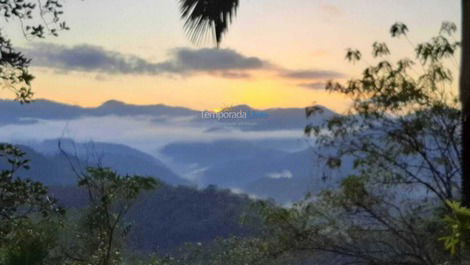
(140, 132)
(183, 61)
(285, 174)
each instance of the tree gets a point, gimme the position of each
(28, 214)
(29, 217)
(208, 16)
(38, 18)
(458, 241)
(103, 226)
(402, 118)
(400, 145)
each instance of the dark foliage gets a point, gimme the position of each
(207, 16)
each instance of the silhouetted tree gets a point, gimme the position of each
(207, 16)
(400, 145)
(38, 18)
(28, 214)
(103, 228)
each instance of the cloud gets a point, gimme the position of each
(214, 60)
(314, 85)
(87, 58)
(311, 74)
(224, 63)
(183, 61)
(140, 132)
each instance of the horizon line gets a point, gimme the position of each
(159, 104)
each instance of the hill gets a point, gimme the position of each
(167, 218)
(55, 167)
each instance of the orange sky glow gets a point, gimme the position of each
(286, 36)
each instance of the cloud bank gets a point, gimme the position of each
(183, 61)
(224, 63)
(139, 132)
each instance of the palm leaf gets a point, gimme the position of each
(207, 16)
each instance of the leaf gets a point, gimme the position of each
(207, 16)
(398, 29)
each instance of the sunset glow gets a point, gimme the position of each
(269, 51)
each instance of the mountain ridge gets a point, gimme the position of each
(114, 103)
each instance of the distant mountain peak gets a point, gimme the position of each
(242, 107)
(113, 103)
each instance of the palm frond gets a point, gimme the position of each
(207, 16)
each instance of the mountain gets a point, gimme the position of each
(55, 167)
(241, 166)
(114, 107)
(282, 177)
(258, 154)
(255, 120)
(256, 168)
(237, 172)
(210, 153)
(284, 190)
(273, 118)
(168, 217)
(285, 118)
(161, 220)
(252, 168)
(13, 112)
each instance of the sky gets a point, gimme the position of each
(277, 53)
